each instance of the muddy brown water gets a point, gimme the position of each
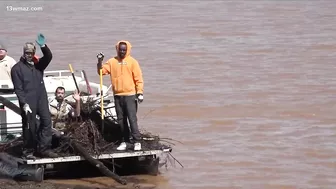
(247, 86)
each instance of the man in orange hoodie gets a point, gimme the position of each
(127, 84)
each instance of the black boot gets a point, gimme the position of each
(31, 174)
(28, 154)
(48, 154)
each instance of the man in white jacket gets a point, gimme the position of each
(6, 64)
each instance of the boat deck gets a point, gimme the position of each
(124, 154)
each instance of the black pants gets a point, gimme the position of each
(8, 171)
(126, 108)
(9, 166)
(37, 135)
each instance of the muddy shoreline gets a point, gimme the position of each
(87, 183)
(11, 184)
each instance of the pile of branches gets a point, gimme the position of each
(87, 131)
(83, 137)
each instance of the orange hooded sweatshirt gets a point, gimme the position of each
(125, 74)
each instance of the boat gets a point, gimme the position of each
(10, 123)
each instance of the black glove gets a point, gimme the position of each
(100, 57)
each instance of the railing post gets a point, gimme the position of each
(3, 123)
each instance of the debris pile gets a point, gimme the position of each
(86, 131)
(83, 137)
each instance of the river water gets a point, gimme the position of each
(248, 87)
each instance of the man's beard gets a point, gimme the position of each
(59, 98)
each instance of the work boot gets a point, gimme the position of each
(30, 156)
(26, 154)
(32, 174)
(49, 154)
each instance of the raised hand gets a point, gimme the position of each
(76, 95)
(100, 56)
(40, 39)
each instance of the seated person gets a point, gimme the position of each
(61, 111)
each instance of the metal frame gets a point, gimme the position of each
(103, 156)
(59, 72)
